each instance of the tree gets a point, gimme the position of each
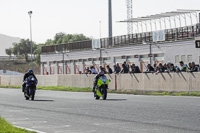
(62, 38)
(37, 52)
(15, 49)
(49, 42)
(23, 48)
(58, 38)
(9, 52)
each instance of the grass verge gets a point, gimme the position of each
(5, 127)
(157, 93)
(76, 89)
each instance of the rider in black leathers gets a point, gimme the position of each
(29, 73)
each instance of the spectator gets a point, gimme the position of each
(154, 67)
(167, 69)
(194, 68)
(160, 68)
(135, 69)
(116, 69)
(109, 69)
(184, 67)
(93, 71)
(125, 69)
(126, 65)
(149, 69)
(87, 70)
(102, 69)
(189, 66)
(172, 68)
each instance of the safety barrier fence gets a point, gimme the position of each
(177, 82)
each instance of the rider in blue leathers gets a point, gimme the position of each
(29, 73)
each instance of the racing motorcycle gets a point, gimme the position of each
(101, 88)
(29, 92)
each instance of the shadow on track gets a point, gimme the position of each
(43, 100)
(116, 99)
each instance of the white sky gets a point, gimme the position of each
(76, 16)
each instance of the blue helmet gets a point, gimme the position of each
(30, 71)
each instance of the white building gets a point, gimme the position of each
(163, 46)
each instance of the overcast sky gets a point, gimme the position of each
(76, 16)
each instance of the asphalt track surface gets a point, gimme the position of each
(75, 112)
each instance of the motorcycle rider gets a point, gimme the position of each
(101, 73)
(26, 75)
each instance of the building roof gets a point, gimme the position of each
(161, 15)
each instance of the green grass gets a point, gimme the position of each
(76, 89)
(5, 127)
(9, 86)
(55, 88)
(62, 88)
(156, 93)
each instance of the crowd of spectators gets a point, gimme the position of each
(132, 68)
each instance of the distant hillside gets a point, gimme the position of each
(6, 42)
(19, 66)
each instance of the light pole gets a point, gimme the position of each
(100, 29)
(63, 56)
(100, 51)
(63, 60)
(150, 51)
(150, 54)
(30, 13)
(110, 18)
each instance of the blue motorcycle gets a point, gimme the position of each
(30, 90)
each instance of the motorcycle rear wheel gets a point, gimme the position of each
(27, 98)
(32, 97)
(97, 97)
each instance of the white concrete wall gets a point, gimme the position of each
(188, 82)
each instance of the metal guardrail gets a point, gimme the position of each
(176, 34)
(182, 33)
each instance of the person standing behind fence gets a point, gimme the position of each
(184, 67)
(109, 70)
(149, 69)
(155, 67)
(126, 64)
(93, 71)
(102, 69)
(189, 66)
(194, 68)
(172, 68)
(125, 69)
(117, 68)
(160, 68)
(135, 69)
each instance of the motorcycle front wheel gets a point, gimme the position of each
(26, 95)
(104, 94)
